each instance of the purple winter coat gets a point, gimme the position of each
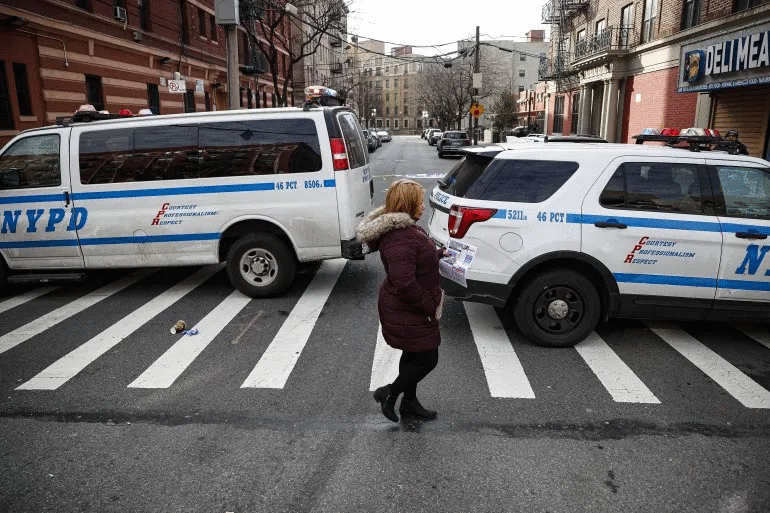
(410, 294)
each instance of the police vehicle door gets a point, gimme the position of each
(353, 185)
(39, 221)
(647, 221)
(743, 204)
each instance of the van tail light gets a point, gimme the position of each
(339, 155)
(461, 218)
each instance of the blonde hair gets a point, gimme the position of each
(404, 196)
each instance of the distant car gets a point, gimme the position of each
(434, 137)
(371, 140)
(384, 134)
(428, 133)
(376, 135)
(452, 141)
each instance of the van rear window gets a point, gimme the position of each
(177, 152)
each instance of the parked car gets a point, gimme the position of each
(564, 235)
(376, 135)
(371, 140)
(434, 137)
(384, 134)
(428, 134)
(453, 141)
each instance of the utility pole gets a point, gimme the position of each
(233, 73)
(476, 91)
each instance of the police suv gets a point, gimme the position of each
(263, 190)
(568, 234)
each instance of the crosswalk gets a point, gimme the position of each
(505, 374)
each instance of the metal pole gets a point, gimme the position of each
(233, 73)
(476, 91)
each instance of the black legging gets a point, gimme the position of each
(412, 368)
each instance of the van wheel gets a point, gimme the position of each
(3, 274)
(261, 265)
(558, 308)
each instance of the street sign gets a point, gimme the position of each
(177, 86)
(476, 110)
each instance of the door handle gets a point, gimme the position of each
(610, 224)
(750, 235)
(66, 198)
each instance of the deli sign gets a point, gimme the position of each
(732, 60)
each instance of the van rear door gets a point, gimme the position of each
(355, 191)
(40, 224)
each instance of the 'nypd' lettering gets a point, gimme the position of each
(753, 259)
(36, 218)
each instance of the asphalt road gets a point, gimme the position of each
(159, 422)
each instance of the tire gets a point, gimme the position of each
(3, 274)
(261, 265)
(557, 308)
(441, 154)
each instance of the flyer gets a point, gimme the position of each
(453, 267)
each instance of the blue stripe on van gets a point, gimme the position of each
(37, 198)
(330, 183)
(99, 241)
(657, 279)
(175, 191)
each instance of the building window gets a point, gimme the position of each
(387, 123)
(406, 83)
(626, 24)
(387, 111)
(406, 111)
(249, 100)
(207, 100)
(6, 115)
(581, 35)
(395, 83)
(650, 18)
(600, 26)
(522, 72)
(22, 89)
(153, 98)
(406, 122)
(558, 115)
(85, 4)
(213, 28)
(183, 25)
(202, 22)
(387, 84)
(742, 5)
(395, 123)
(189, 101)
(387, 97)
(144, 15)
(521, 89)
(575, 112)
(522, 57)
(690, 13)
(94, 91)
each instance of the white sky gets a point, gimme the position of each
(436, 22)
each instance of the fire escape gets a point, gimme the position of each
(558, 67)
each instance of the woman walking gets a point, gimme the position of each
(410, 298)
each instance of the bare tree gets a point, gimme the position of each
(445, 92)
(286, 39)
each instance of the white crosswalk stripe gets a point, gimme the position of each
(385, 363)
(70, 365)
(505, 375)
(761, 335)
(178, 357)
(23, 298)
(736, 383)
(276, 364)
(619, 380)
(39, 325)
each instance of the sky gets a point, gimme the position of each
(436, 22)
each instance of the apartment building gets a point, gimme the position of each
(165, 55)
(616, 67)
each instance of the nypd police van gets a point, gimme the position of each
(262, 190)
(565, 235)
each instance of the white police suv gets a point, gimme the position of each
(568, 234)
(263, 190)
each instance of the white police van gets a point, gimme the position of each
(263, 190)
(583, 232)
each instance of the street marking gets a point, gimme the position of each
(179, 356)
(759, 334)
(619, 380)
(71, 364)
(23, 298)
(505, 375)
(39, 325)
(385, 363)
(276, 364)
(736, 383)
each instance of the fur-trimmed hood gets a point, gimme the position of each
(377, 223)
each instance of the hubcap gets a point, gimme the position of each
(259, 267)
(558, 309)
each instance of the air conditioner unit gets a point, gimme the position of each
(119, 13)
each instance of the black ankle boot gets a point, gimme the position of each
(387, 402)
(414, 408)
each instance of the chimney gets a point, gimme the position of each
(536, 36)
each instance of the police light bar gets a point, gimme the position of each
(694, 137)
(317, 91)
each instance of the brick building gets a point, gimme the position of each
(618, 66)
(116, 54)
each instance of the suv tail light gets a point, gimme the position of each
(461, 218)
(339, 155)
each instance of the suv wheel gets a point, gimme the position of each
(260, 265)
(558, 308)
